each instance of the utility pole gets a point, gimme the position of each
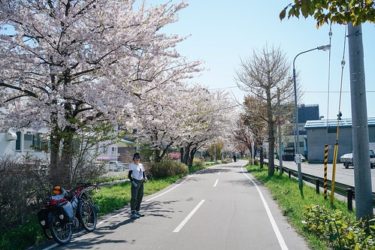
(361, 159)
(279, 131)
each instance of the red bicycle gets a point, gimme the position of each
(67, 210)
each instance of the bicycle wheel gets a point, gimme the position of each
(87, 215)
(61, 231)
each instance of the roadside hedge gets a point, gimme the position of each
(339, 230)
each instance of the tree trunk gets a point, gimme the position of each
(271, 149)
(271, 138)
(157, 155)
(67, 157)
(191, 156)
(186, 154)
(181, 154)
(261, 160)
(55, 139)
(61, 160)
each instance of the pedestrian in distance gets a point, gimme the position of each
(137, 177)
(234, 158)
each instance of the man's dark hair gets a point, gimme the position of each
(136, 156)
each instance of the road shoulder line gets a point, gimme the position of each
(275, 228)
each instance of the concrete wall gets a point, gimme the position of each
(7, 147)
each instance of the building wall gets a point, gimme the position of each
(308, 112)
(8, 147)
(126, 154)
(318, 137)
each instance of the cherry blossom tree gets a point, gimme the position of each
(72, 64)
(158, 119)
(179, 115)
(243, 135)
(208, 118)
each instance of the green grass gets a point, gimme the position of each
(110, 199)
(22, 236)
(286, 192)
(110, 178)
(196, 168)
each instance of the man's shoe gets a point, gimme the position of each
(139, 214)
(134, 216)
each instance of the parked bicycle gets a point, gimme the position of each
(65, 211)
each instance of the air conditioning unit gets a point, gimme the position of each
(11, 135)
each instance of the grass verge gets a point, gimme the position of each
(110, 199)
(286, 192)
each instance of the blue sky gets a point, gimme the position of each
(222, 32)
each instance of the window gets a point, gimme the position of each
(28, 140)
(18, 141)
(34, 142)
(40, 142)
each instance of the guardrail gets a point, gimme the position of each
(340, 188)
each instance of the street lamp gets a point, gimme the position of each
(298, 157)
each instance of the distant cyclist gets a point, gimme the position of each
(137, 177)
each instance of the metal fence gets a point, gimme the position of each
(340, 188)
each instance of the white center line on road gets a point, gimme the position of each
(182, 224)
(270, 217)
(217, 180)
(219, 173)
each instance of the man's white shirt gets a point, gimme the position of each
(137, 171)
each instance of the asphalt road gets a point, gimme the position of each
(343, 175)
(219, 208)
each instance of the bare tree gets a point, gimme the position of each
(253, 119)
(261, 75)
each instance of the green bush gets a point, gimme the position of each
(226, 160)
(340, 231)
(168, 168)
(256, 162)
(198, 163)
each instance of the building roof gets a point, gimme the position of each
(333, 123)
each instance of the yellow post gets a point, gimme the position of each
(325, 171)
(334, 171)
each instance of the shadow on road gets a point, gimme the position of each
(158, 208)
(243, 182)
(115, 224)
(212, 171)
(91, 242)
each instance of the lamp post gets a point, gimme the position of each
(298, 157)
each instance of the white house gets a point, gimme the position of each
(23, 144)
